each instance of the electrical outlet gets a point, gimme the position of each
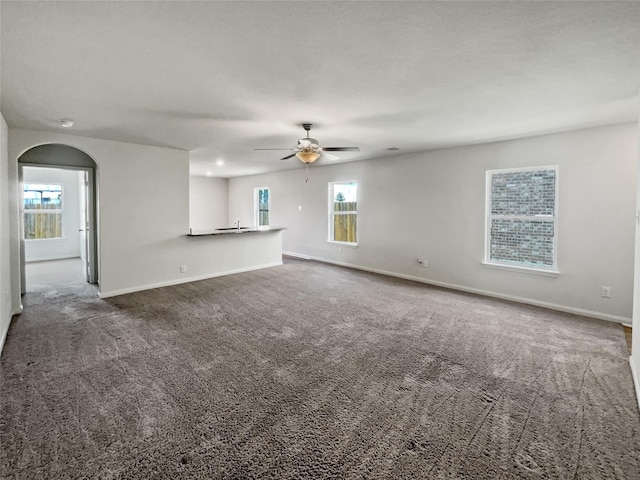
(605, 292)
(183, 269)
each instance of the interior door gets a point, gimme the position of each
(91, 228)
(23, 271)
(84, 225)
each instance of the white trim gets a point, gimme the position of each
(346, 244)
(3, 338)
(169, 283)
(636, 380)
(47, 259)
(256, 205)
(521, 269)
(55, 239)
(332, 212)
(52, 211)
(487, 293)
(296, 255)
(524, 169)
(488, 216)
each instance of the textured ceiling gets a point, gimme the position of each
(222, 78)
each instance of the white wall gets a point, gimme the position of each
(143, 216)
(208, 202)
(69, 245)
(634, 360)
(433, 205)
(7, 307)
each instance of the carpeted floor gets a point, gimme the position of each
(312, 371)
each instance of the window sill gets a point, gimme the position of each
(43, 239)
(343, 244)
(519, 269)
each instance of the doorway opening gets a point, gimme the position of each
(58, 218)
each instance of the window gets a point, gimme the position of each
(343, 212)
(261, 203)
(42, 211)
(522, 217)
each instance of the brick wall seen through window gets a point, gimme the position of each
(521, 217)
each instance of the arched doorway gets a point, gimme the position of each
(68, 158)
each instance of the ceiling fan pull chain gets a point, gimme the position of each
(307, 168)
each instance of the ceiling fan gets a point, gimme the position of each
(308, 150)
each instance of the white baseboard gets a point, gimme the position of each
(168, 283)
(529, 301)
(3, 338)
(297, 255)
(636, 380)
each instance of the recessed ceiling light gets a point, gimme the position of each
(65, 123)
(208, 173)
(220, 162)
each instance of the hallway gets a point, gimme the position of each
(56, 279)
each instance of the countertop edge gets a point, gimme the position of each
(234, 231)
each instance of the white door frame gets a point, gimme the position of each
(91, 263)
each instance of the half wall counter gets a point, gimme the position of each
(232, 231)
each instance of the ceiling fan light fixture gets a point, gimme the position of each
(308, 156)
(308, 150)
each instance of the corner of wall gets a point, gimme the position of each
(636, 380)
(634, 362)
(4, 337)
(6, 283)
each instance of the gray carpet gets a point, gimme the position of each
(312, 371)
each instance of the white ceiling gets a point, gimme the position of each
(222, 78)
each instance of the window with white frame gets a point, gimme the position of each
(522, 222)
(42, 211)
(262, 203)
(343, 212)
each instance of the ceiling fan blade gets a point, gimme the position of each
(330, 156)
(341, 149)
(274, 148)
(288, 156)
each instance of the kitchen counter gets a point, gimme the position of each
(232, 231)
